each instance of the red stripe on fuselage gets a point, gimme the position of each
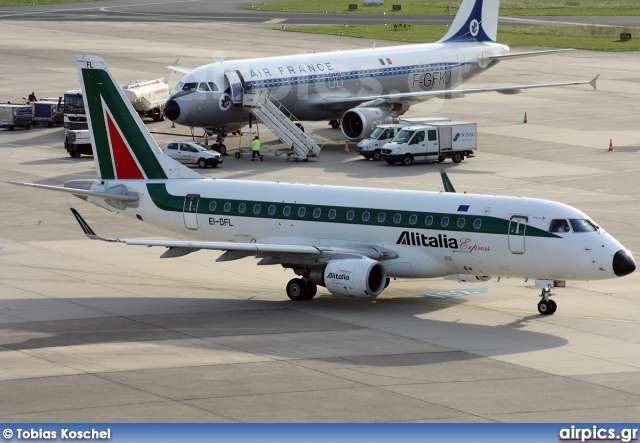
(126, 166)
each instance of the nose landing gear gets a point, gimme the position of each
(546, 305)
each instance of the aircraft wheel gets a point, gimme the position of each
(377, 156)
(457, 157)
(223, 149)
(202, 163)
(545, 307)
(296, 289)
(335, 124)
(407, 160)
(554, 306)
(312, 289)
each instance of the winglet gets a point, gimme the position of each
(83, 224)
(175, 68)
(593, 82)
(448, 186)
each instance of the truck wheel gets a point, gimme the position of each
(377, 156)
(27, 126)
(202, 163)
(457, 157)
(407, 160)
(11, 128)
(74, 154)
(238, 155)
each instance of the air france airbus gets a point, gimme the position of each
(349, 240)
(355, 88)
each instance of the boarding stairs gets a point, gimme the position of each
(283, 124)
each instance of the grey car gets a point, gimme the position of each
(192, 152)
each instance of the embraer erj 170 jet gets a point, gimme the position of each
(358, 88)
(349, 240)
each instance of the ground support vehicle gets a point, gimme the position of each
(78, 142)
(49, 112)
(147, 97)
(371, 146)
(15, 115)
(432, 143)
(192, 152)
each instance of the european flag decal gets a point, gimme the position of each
(463, 208)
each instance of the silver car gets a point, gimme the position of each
(192, 152)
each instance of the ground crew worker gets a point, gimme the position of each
(255, 148)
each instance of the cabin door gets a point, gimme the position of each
(237, 86)
(517, 234)
(190, 211)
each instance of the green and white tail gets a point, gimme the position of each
(123, 147)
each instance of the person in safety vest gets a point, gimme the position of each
(255, 148)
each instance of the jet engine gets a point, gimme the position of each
(357, 123)
(351, 277)
(468, 278)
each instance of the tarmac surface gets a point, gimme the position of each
(91, 331)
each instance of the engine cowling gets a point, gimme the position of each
(357, 123)
(351, 277)
(468, 278)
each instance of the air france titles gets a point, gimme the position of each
(312, 68)
(430, 80)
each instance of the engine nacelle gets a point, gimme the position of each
(357, 123)
(468, 278)
(351, 277)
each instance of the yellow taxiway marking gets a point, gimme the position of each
(276, 20)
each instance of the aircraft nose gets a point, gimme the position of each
(623, 263)
(172, 110)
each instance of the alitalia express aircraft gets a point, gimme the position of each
(349, 240)
(353, 89)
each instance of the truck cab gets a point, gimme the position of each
(370, 147)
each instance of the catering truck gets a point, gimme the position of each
(371, 146)
(434, 142)
(78, 142)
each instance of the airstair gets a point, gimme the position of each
(288, 129)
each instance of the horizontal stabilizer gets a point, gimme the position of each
(84, 192)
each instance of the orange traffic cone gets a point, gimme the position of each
(610, 145)
(525, 118)
(346, 148)
(173, 125)
(206, 139)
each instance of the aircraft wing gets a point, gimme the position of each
(336, 102)
(271, 253)
(175, 68)
(82, 192)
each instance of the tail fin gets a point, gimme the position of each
(476, 21)
(446, 182)
(123, 147)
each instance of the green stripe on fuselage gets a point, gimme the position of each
(98, 84)
(489, 225)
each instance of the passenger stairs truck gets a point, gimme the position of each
(434, 142)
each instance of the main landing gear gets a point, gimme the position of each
(546, 305)
(301, 289)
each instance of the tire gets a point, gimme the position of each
(391, 162)
(335, 124)
(554, 306)
(312, 290)
(11, 128)
(202, 163)
(457, 157)
(377, 156)
(27, 126)
(545, 308)
(50, 124)
(74, 154)
(407, 160)
(238, 155)
(222, 149)
(296, 289)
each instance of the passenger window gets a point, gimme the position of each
(397, 218)
(256, 209)
(381, 217)
(317, 212)
(428, 221)
(302, 212)
(432, 135)
(461, 222)
(559, 225)
(286, 211)
(477, 223)
(271, 210)
(413, 219)
(172, 146)
(350, 215)
(444, 222)
(227, 207)
(212, 206)
(365, 216)
(242, 207)
(332, 214)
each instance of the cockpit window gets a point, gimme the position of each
(203, 87)
(583, 225)
(559, 225)
(213, 86)
(190, 87)
(179, 86)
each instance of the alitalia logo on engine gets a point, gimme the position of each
(417, 239)
(334, 276)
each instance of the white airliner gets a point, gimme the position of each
(349, 240)
(357, 88)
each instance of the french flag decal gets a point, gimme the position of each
(385, 61)
(463, 208)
